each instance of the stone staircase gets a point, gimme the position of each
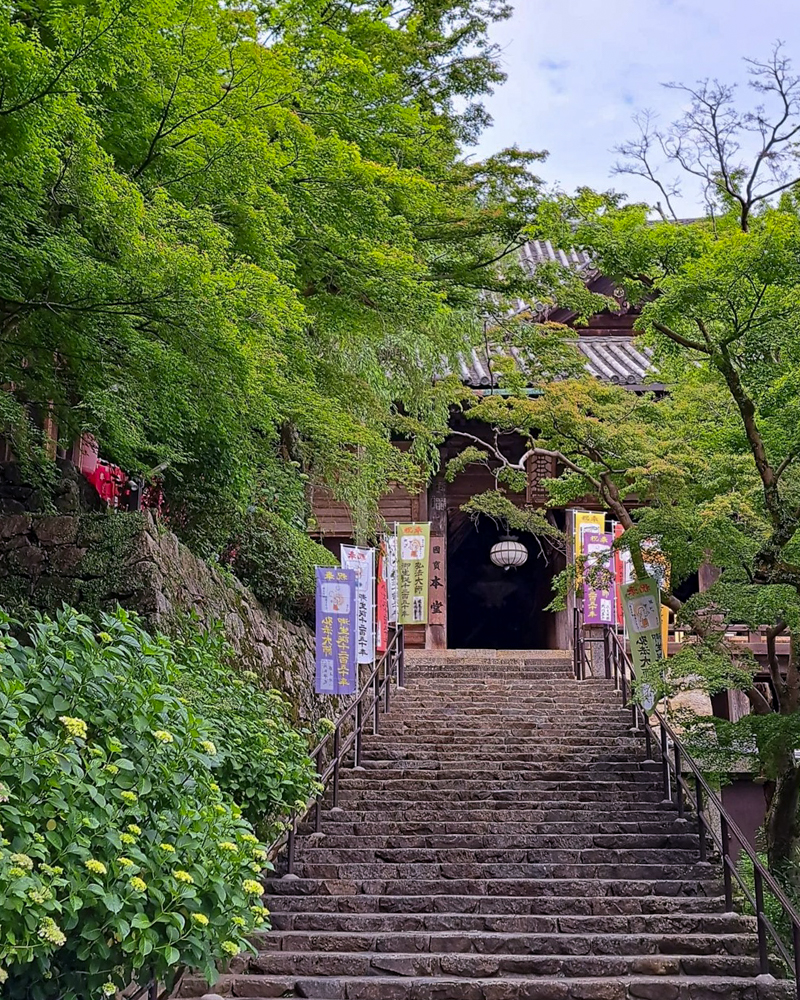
(505, 840)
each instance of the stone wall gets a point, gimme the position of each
(95, 560)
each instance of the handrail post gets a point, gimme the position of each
(376, 703)
(401, 656)
(607, 653)
(701, 821)
(726, 862)
(763, 955)
(387, 683)
(337, 742)
(678, 789)
(796, 946)
(291, 846)
(359, 731)
(665, 764)
(648, 738)
(318, 810)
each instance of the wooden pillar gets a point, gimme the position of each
(436, 637)
(707, 576)
(570, 561)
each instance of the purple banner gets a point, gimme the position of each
(337, 672)
(598, 600)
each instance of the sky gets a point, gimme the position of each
(579, 69)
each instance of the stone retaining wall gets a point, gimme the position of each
(95, 560)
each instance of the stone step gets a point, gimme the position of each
(342, 824)
(553, 804)
(545, 885)
(546, 781)
(489, 702)
(486, 874)
(495, 943)
(585, 762)
(543, 905)
(658, 923)
(501, 843)
(502, 742)
(518, 988)
(338, 964)
(329, 855)
(409, 756)
(495, 810)
(507, 792)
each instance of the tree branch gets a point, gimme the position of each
(693, 345)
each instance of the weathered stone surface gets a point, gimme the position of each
(57, 530)
(96, 560)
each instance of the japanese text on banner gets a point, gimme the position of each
(598, 583)
(642, 605)
(362, 562)
(413, 560)
(336, 667)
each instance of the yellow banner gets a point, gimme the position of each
(596, 520)
(413, 560)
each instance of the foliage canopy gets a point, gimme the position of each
(238, 236)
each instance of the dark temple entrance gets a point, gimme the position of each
(492, 608)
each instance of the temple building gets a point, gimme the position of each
(475, 604)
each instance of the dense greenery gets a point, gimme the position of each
(262, 762)
(710, 472)
(123, 847)
(277, 560)
(237, 238)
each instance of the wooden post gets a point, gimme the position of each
(570, 561)
(707, 576)
(436, 637)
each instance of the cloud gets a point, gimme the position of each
(556, 74)
(579, 105)
(554, 65)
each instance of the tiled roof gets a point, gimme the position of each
(536, 252)
(610, 358)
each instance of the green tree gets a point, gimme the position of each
(711, 471)
(226, 227)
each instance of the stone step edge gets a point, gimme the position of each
(634, 986)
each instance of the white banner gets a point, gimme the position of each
(363, 562)
(391, 576)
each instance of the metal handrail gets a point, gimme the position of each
(374, 696)
(676, 758)
(392, 665)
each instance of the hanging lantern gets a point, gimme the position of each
(508, 552)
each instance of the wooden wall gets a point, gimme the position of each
(332, 518)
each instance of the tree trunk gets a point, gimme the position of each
(781, 823)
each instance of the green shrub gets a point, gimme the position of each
(277, 560)
(263, 762)
(788, 879)
(120, 852)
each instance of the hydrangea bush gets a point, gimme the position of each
(263, 761)
(121, 856)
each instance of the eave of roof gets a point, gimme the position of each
(615, 359)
